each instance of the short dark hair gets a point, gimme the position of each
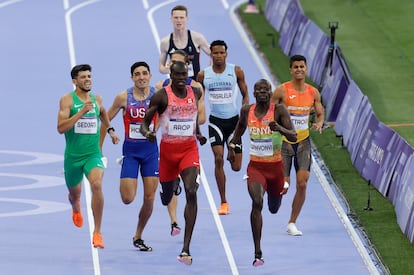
(181, 52)
(218, 43)
(179, 8)
(177, 64)
(79, 68)
(139, 64)
(296, 57)
(263, 81)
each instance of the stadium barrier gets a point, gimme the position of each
(379, 154)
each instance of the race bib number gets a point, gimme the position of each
(261, 148)
(86, 125)
(220, 97)
(134, 131)
(300, 122)
(178, 127)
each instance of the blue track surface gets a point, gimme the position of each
(41, 41)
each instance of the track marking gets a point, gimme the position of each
(38, 158)
(42, 207)
(8, 3)
(344, 218)
(86, 189)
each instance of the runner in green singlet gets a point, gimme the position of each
(79, 118)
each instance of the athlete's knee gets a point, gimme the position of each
(274, 204)
(127, 198)
(149, 198)
(96, 185)
(191, 191)
(235, 166)
(165, 198)
(218, 160)
(166, 192)
(257, 203)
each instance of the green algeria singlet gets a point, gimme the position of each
(83, 138)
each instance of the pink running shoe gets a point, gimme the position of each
(185, 258)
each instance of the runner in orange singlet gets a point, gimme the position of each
(299, 99)
(267, 123)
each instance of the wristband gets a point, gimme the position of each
(109, 129)
(286, 185)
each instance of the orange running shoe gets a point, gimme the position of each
(97, 240)
(77, 216)
(224, 209)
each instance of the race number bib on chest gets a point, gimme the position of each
(134, 130)
(300, 122)
(86, 125)
(261, 147)
(178, 127)
(220, 97)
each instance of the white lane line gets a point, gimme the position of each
(247, 41)
(344, 219)
(8, 3)
(322, 180)
(86, 189)
(225, 4)
(151, 21)
(145, 4)
(204, 181)
(217, 220)
(69, 30)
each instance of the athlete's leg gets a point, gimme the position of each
(237, 163)
(95, 179)
(302, 162)
(172, 209)
(190, 177)
(238, 156)
(150, 186)
(74, 196)
(219, 171)
(128, 189)
(256, 193)
(302, 177)
(128, 178)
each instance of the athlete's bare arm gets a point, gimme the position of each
(65, 123)
(278, 96)
(118, 104)
(319, 112)
(103, 115)
(242, 84)
(163, 66)
(201, 42)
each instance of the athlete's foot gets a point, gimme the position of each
(97, 240)
(139, 243)
(258, 261)
(175, 229)
(293, 230)
(185, 258)
(77, 215)
(224, 209)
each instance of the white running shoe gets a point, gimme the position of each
(292, 230)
